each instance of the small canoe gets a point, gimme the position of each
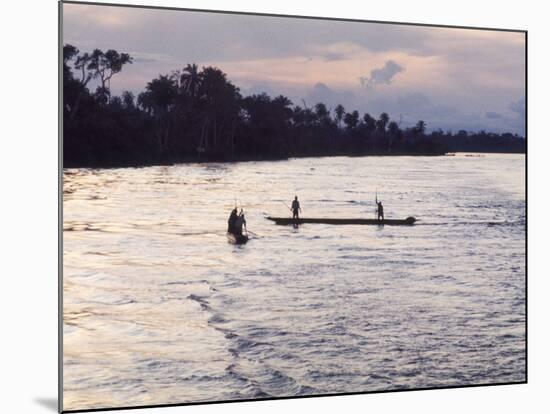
(236, 238)
(285, 221)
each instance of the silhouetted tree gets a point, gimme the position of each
(420, 128)
(321, 111)
(104, 65)
(351, 119)
(128, 100)
(220, 103)
(74, 89)
(382, 122)
(158, 99)
(394, 130)
(370, 124)
(339, 112)
(199, 115)
(191, 79)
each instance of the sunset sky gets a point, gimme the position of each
(451, 78)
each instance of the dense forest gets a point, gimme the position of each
(194, 115)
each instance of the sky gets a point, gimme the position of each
(451, 78)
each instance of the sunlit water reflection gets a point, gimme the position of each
(160, 309)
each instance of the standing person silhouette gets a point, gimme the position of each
(231, 221)
(296, 208)
(239, 223)
(380, 210)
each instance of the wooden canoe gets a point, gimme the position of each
(285, 221)
(236, 238)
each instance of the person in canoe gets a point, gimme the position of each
(296, 208)
(239, 223)
(231, 221)
(380, 210)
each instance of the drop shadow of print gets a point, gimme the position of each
(49, 403)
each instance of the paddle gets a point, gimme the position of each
(286, 205)
(376, 202)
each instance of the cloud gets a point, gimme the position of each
(323, 93)
(331, 56)
(448, 77)
(381, 76)
(151, 57)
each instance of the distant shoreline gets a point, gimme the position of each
(197, 115)
(219, 160)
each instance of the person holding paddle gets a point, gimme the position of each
(380, 210)
(296, 208)
(231, 221)
(240, 221)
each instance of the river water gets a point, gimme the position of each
(160, 309)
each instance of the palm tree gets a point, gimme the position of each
(158, 99)
(339, 112)
(298, 116)
(219, 99)
(283, 104)
(370, 123)
(395, 134)
(382, 122)
(420, 128)
(321, 111)
(191, 79)
(351, 119)
(393, 129)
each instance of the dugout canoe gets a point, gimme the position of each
(286, 221)
(236, 238)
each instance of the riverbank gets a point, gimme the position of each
(227, 159)
(217, 159)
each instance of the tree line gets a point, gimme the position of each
(197, 114)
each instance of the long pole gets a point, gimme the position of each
(286, 205)
(376, 202)
(244, 220)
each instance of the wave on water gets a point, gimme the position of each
(421, 222)
(83, 227)
(201, 300)
(200, 233)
